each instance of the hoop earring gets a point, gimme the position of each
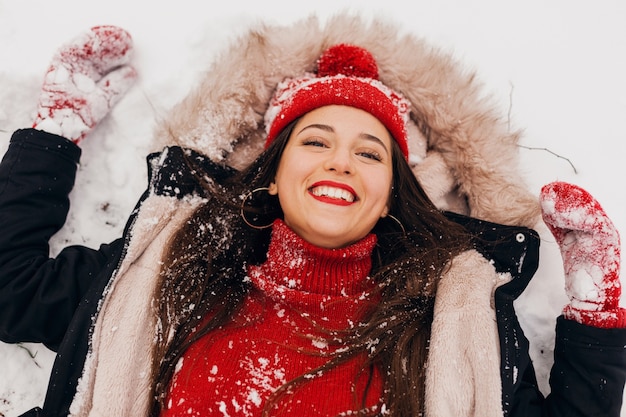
(395, 219)
(243, 212)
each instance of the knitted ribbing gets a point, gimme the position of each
(300, 295)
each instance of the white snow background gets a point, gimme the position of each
(556, 68)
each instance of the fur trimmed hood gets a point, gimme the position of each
(461, 149)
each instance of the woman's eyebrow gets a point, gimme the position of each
(317, 126)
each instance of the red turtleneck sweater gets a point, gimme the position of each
(276, 337)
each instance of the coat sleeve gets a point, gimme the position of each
(39, 294)
(587, 378)
(589, 371)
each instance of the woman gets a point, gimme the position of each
(202, 309)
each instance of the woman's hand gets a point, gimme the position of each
(590, 247)
(86, 78)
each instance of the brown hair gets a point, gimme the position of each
(205, 265)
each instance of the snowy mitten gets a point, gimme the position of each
(86, 78)
(590, 247)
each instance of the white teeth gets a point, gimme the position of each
(332, 192)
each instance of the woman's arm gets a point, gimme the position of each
(589, 371)
(38, 295)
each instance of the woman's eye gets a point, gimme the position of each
(314, 142)
(371, 155)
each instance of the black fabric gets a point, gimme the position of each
(587, 379)
(180, 172)
(34, 412)
(589, 372)
(54, 301)
(42, 299)
(39, 295)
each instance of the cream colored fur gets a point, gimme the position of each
(116, 380)
(223, 116)
(463, 373)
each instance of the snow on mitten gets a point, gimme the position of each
(590, 247)
(86, 78)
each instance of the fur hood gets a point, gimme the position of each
(462, 151)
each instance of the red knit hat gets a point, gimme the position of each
(346, 75)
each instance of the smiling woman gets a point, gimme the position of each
(360, 297)
(335, 175)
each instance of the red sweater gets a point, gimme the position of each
(276, 337)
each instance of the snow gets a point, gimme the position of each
(556, 68)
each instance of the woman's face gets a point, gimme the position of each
(334, 178)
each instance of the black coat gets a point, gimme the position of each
(52, 300)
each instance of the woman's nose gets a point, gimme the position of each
(340, 161)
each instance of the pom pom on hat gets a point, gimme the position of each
(349, 60)
(346, 75)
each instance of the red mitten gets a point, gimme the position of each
(590, 247)
(86, 78)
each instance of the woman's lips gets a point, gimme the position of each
(333, 193)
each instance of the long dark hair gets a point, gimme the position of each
(203, 286)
